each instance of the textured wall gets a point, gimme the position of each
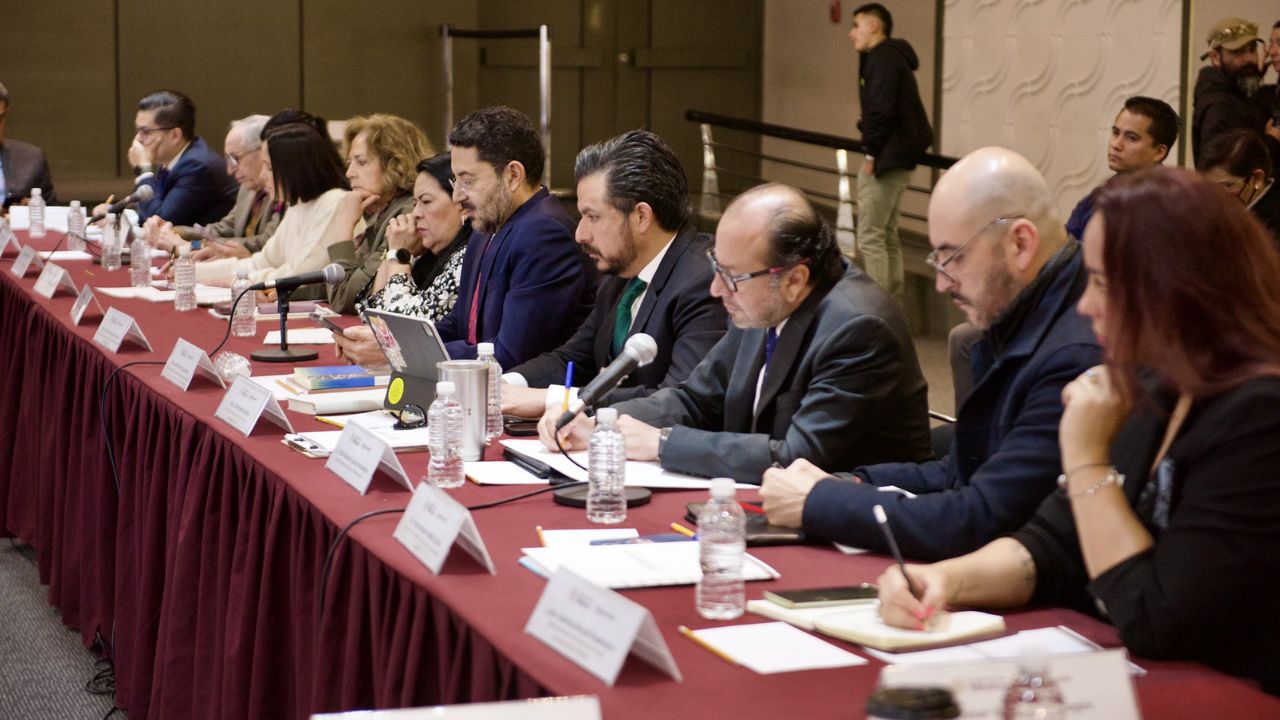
(1047, 77)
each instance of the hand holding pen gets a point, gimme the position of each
(908, 596)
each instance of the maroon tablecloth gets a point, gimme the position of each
(203, 568)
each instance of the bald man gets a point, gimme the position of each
(818, 364)
(1001, 252)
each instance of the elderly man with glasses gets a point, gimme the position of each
(819, 362)
(189, 179)
(256, 214)
(1001, 252)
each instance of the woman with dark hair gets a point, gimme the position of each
(423, 263)
(382, 151)
(1168, 518)
(308, 179)
(1239, 161)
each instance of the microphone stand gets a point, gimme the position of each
(284, 353)
(574, 494)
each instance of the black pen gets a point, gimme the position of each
(883, 521)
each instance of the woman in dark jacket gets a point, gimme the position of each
(1239, 161)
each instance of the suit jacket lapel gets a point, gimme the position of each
(784, 354)
(675, 255)
(741, 390)
(609, 294)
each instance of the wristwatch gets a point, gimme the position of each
(400, 255)
(663, 434)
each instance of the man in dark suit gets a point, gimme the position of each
(819, 363)
(1003, 255)
(22, 165)
(525, 288)
(634, 199)
(189, 179)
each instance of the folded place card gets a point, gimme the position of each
(597, 628)
(575, 707)
(27, 259)
(82, 303)
(185, 361)
(245, 402)
(433, 522)
(8, 241)
(1094, 686)
(52, 279)
(116, 327)
(358, 454)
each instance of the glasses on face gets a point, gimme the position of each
(731, 281)
(939, 263)
(234, 159)
(469, 181)
(145, 131)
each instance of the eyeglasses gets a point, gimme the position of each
(410, 417)
(731, 281)
(145, 131)
(939, 264)
(234, 159)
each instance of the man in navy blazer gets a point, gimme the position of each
(819, 362)
(634, 199)
(1003, 255)
(22, 165)
(190, 180)
(525, 287)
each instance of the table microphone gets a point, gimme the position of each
(142, 194)
(331, 274)
(639, 351)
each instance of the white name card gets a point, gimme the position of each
(7, 239)
(574, 707)
(1095, 686)
(82, 303)
(185, 361)
(27, 259)
(115, 328)
(433, 522)
(597, 628)
(245, 402)
(357, 456)
(52, 279)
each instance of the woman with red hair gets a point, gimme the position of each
(1168, 518)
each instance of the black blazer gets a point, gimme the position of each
(844, 388)
(25, 167)
(677, 310)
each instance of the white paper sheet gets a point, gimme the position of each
(639, 474)
(776, 647)
(300, 336)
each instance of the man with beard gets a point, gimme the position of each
(525, 287)
(1001, 252)
(819, 363)
(635, 226)
(1228, 92)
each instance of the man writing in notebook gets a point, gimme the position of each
(1001, 251)
(635, 226)
(819, 363)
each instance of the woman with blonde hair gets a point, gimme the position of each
(383, 152)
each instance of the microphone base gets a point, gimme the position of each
(280, 355)
(576, 496)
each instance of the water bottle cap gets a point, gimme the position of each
(242, 272)
(484, 348)
(75, 203)
(445, 387)
(111, 218)
(722, 488)
(607, 416)
(184, 250)
(36, 192)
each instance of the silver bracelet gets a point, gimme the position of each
(1113, 477)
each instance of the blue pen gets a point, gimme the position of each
(568, 382)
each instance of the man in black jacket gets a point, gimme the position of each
(895, 134)
(634, 198)
(1228, 92)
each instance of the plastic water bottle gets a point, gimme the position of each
(444, 438)
(722, 547)
(139, 262)
(35, 208)
(75, 226)
(244, 315)
(184, 280)
(1033, 694)
(606, 471)
(493, 411)
(111, 243)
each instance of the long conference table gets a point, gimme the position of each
(202, 569)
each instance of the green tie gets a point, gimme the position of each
(622, 315)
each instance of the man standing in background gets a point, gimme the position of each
(895, 134)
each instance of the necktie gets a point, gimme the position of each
(622, 314)
(257, 211)
(770, 342)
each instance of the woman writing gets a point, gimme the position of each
(1168, 519)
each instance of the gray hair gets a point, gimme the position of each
(250, 130)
